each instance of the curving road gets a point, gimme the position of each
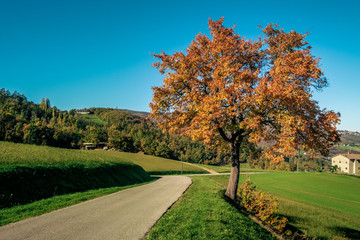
(128, 214)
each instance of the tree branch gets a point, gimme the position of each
(223, 135)
(237, 134)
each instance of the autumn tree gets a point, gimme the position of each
(226, 89)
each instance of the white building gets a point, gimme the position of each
(347, 163)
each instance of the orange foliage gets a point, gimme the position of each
(226, 87)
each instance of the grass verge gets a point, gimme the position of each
(12, 153)
(29, 173)
(244, 167)
(219, 169)
(351, 148)
(203, 213)
(320, 205)
(26, 183)
(20, 212)
(157, 165)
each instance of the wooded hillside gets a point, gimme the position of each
(23, 121)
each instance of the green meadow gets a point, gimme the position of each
(92, 118)
(25, 154)
(320, 205)
(157, 165)
(244, 167)
(38, 179)
(204, 213)
(351, 148)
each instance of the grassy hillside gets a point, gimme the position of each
(203, 213)
(24, 155)
(29, 173)
(350, 142)
(321, 205)
(353, 149)
(350, 138)
(22, 121)
(244, 167)
(136, 113)
(157, 165)
(92, 119)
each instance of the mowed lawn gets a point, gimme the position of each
(16, 153)
(321, 205)
(13, 155)
(203, 213)
(244, 167)
(157, 165)
(351, 148)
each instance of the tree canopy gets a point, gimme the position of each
(226, 88)
(23, 121)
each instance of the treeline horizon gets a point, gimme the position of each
(23, 121)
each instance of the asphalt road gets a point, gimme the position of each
(128, 214)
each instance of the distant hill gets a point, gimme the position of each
(136, 113)
(350, 143)
(351, 138)
(23, 121)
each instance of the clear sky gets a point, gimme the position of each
(98, 53)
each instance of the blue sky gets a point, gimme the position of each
(98, 53)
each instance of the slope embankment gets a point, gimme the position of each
(24, 184)
(29, 173)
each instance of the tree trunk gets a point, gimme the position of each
(235, 170)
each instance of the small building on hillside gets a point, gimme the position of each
(92, 146)
(347, 163)
(88, 146)
(82, 112)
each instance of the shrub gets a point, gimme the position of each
(260, 204)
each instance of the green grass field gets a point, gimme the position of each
(24, 154)
(203, 213)
(61, 172)
(226, 168)
(29, 173)
(219, 169)
(157, 165)
(92, 118)
(20, 212)
(320, 205)
(351, 148)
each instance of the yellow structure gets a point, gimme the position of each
(347, 163)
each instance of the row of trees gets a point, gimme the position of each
(295, 163)
(132, 133)
(26, 122)
(23, 121)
